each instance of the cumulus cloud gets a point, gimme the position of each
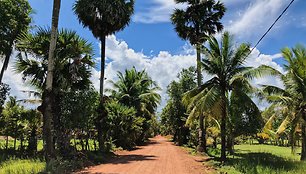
(164, 67)
(256, 59)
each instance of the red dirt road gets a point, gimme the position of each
(158, 157)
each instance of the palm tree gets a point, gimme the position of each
(230, 77)
(136, 89)
(103, 18)
(72, 63)
(47, 112)
(293, 97)
(200, 20)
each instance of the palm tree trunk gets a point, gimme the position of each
(199, 69)
(103, 45)
(223, 128)
(201, 132)
(102, 113)
(202, 136)
(32, 148)
(48, 146)
(303, 153)
(230, 139)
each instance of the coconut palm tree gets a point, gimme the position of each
(103, 18)
(136, 89)
(199, 20)
(229, 77)
(72, 63)
(293, 97)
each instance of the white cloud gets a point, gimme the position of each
(164, 67)
(159, 11)
(256, 18)
(250, 21)
(14, 80)
(256, 59)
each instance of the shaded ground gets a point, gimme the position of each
(158, 157)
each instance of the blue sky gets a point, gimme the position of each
(148, 34)
(151, 43)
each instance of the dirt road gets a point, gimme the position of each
(158, 157)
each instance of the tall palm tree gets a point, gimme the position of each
(72, 63)
(104, 18)
(293, 97)
(200, 20)
(136, 89)
(47, 112)
(226, 64)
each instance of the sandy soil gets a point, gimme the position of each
(158, 157)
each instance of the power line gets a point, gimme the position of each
(284, 11)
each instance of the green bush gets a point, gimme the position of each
(122, 126)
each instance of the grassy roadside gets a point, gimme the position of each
(17, 162)
(257, 159)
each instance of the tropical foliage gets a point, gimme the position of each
(230, 78)
(15, 19)
(67, 121)
(136, 89)
(173, 117)
(103, 18)
(291, 99)
(196, 23)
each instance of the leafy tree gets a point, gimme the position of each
(199, 20)
(78, 112)
(15, 19)
(136, 89)
(104, 18)
(174, 114)
(226, 65)
(12, 120)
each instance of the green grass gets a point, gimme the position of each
(260, 159)
(19, 166)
